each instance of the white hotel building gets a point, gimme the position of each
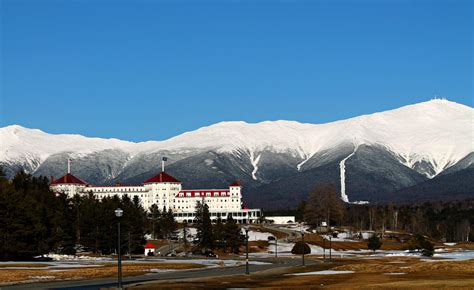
(166, 192)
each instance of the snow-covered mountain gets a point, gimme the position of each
(421, 140)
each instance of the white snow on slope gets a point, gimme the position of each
(342, 166)
(17, 143)
(439, 132)
(254, 162)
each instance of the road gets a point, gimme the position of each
(166, 249)
(169, 276)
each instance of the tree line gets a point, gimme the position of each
(449, 221)
(222, 235)
(35, 221)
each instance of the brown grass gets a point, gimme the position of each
(369, 274)
(276, 233)
(23, 265)
(465, 246)
(107, 270)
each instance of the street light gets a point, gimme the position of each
(302, 243)
(324, 248)
(119, 214)
(330, 247)
(247, 249)
(276, 247)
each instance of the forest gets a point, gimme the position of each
(35, 221)
(449, 221)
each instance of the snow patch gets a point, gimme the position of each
(254, 162)
(342, 167)
(325, 272)
(437, 132)
(308, 157)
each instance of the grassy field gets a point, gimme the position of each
(368, 274)
(8, 276)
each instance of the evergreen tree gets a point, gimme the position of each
(374, 243)
(219, 235)
(233, 235)
(204, 235)
(185, 235)
(420, 243)
(154, 217)
(300, 247)
(168, 224)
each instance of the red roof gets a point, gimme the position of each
(162, 177)
(68, 179)
(149, 245)
(237, 183)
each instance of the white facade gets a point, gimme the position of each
(166, 192)
(281, 220)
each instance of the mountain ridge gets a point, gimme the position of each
(428, 138)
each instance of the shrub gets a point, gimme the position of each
(299, 247)
(419, 242)
(374, 243)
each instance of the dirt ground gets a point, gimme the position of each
(8, 276)
(368, 274)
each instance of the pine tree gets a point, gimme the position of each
(185, 235)
(233, 235)
(219, 235)
(374, 243)
(204, 235)
(154, 217)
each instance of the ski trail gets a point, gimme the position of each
(254, 162)
(308, 157)
(342, 166)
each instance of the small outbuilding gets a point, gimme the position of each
(281, 220)
(149, 249)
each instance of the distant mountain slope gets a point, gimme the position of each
(454, 186)
(365, 156)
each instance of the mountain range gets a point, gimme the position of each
(410, 153)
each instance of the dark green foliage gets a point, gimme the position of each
(204, 235)
(420, 243)
(233, 237)
(299, 247)
(374, 243)
(219, 234)
(168, 224)
(228, 236)
(34, 221)
(154, 218)
(185, 235)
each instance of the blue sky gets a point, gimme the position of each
(148, 70)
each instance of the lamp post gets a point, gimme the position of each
(276, 247)
(330, 246)
(247, 272)
(119, 214)
(324, 249)
(302, 243)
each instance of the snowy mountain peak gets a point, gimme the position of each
(437, 132)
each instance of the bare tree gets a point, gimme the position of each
(324, 203)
